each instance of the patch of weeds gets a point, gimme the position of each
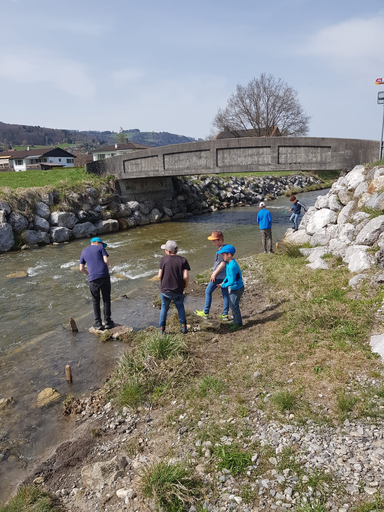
(377, 505)
(31, 498)
(164, 346)
(171, 486)
(285, 401)
(248, 494)
(372, 212)
(287, 460)
(211, 383)
(327, 256)
(243, 411)
(345, 404)
(291, 250)
(130, 394)
(106, 336)
(232, 458)
(96, 432)
(317, 370)
(311, 507)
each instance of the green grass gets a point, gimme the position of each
(30, 498)
(154, 365)
(285, 401)
(172, 487)
(372, 212)
(210, 383)
(232, 458)
(291, 250)
(56, 178)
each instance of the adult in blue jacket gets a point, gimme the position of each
(264, 220)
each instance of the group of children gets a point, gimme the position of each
(174, 275)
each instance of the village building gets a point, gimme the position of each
(35, 159)
(116, 149)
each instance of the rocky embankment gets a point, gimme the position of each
(348, 222)
(49, 218)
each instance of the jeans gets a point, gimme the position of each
(166, 299)
(266, 238)
(103, 285)
(295, 219)
(208, 296)
(234, 302)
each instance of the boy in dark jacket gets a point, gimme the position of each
(296, 208)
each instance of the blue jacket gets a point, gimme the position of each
(234, 277)
(264, 219)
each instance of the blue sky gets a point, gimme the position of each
(169, 65)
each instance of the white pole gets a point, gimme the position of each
(381, 140)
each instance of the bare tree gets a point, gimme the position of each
(262, 105)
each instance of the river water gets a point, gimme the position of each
(35, 341)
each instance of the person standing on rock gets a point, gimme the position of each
(217, 277)
(264, 220)
(174, 277)
(94, 264)
(296, 208)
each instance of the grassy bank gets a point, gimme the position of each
(56, 178)
(303, 357)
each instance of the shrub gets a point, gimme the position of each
(285, 401)
(172, 487)
(291, 250)
(232, 458)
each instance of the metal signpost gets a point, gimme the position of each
(380, 100)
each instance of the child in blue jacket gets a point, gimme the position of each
(296, 207)
(234, 282)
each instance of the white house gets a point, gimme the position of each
(116, 149)
(43, 158)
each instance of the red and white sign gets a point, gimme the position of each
(379, 81)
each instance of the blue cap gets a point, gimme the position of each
(97, 239)
(227, 248)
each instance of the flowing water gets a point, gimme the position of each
(35, 341)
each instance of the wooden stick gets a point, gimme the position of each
(73, 325)
(68, 373)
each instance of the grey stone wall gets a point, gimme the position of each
(96, 212)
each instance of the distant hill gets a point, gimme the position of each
(24, 135)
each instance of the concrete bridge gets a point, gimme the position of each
(248, 154)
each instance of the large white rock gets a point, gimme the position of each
(317, 253)
(359, 261)
(364, 197)
(371, 232)
(356, 280)
(324, 235)
(6, 237)
(304, 221)
(346, 213)
(373, 201)
(321, 202)
(377, 183)
(377, 344)
(344, 196)
(355, 177)
(337, 248)
(296, 237)
(319, 263)
(361, 189)
(320, 219)
(334, 203)
(347, 233)
(352, 249)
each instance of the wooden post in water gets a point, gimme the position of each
(73, 325)
(68, 373)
